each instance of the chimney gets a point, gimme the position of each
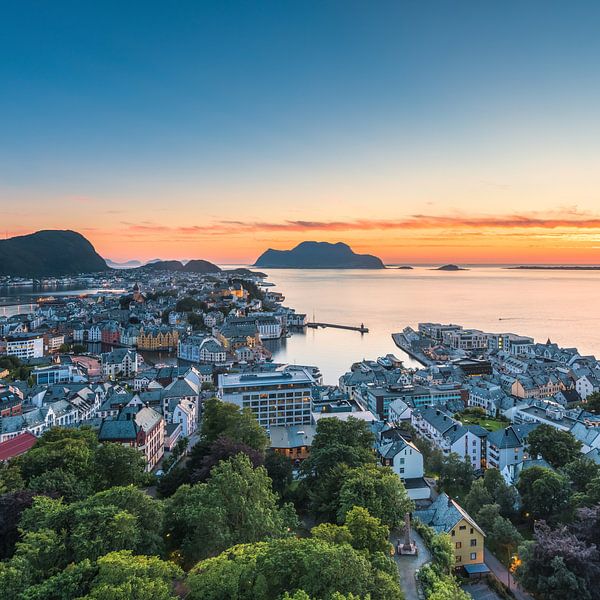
(449, 502)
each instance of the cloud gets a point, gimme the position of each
(568, 219)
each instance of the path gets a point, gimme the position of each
(408, 565)
(501, 573)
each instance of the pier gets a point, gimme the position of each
(360, 329)
(402, 343)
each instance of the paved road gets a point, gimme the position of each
(408, 565)
(500, 571)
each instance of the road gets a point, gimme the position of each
(408, 565)
(502, 574)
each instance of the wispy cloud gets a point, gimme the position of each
(571, 219)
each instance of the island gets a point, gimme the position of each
(318, 255)
(557, 267)
(450, 268)
(192, 266)
(405, 268)
(49, 253)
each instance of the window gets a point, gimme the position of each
(453, 533)
(473, 555)
(473, 542)
(459, 559)
(401, 469)
(462, 527)
(458, 545)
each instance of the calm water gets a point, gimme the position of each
(561, 305)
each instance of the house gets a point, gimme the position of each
(511, 473)
(157, 338)
(506, 447)
(445, 515)
(294, 441)
(139, 427)
(121, 362)
(404, 458)
(172, 435)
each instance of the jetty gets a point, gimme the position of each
(360, 329)
(404, 344)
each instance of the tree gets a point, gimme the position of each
(226, 419)
(379, 490)
(79, 349)
(456, 476)
(12, 506)
(487, 515)
(337, 446)
(477, 497)
(558, 565)
(503, 538)
(268, 570)
(544, 493)
(280, 470)
(64, 348)
(170, 482)
(367, 532)
(555, 446)
(122, 576)
(118, 465)
(221, 449)
(504, 495)
(580, 472)
(442, 553)
(235, 505)
(592, 403)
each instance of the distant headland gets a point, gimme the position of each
(318, 255)
(49, 253)
(450, 268)
(558, 267)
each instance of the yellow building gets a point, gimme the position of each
(447, 516)
(157, 338)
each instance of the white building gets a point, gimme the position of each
(281, 397)
(121, 362)
(24, 346)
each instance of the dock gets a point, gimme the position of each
(402, 343)
(360, 329)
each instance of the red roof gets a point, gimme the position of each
(17, 445)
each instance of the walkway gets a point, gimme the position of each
(501, 573)
(409, 565)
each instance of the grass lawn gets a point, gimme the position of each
(489, 423)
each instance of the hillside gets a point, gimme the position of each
(193, 266)
(49, 253)
(318, 255)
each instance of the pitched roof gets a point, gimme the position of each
(17, 445)
(444, 514)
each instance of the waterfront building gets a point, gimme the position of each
(281, 397)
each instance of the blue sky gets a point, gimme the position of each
(172, 113)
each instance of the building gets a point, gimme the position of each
(294, 442)
(465, 339)
(121, 362)
(507, 447)
(404, 458)
(139, 427)
(280, 397)
(23, 346)
(445, 515)
(17, 445)
(157, 338)
(198, 349)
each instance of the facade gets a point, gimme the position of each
(157, 338)
(121, 362)
(201, 349)
(447, 516)
(24, 346)
(275, 398)
(139, 427)
(292, 442)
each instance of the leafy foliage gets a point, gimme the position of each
(555, 446)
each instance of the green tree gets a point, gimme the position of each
(367, 532)
(377, 489)
(477, 497)
(544, 493)
(267, 570)
(456, 476)
(118, 465)
(503, 538)
(592, 403)
(235, 505)
(332, 534)
(503, 494)
(337, 446)
(487, 515)
(227, 420)
(280, 471)
(555, 446)
(580, 472)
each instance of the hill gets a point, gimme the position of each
(49, 253)
(193, 266)
(130, 264)
(318, 255)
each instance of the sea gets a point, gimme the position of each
(560, 305)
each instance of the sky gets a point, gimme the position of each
(420, 131)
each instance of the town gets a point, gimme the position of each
(477, 437)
